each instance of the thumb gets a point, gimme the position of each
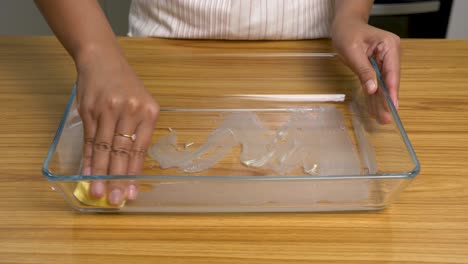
(361, 66)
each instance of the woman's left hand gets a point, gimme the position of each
(355, 42)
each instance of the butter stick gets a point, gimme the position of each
(82, 192)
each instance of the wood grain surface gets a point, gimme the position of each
(428, 224)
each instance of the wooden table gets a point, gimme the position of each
(428, 224)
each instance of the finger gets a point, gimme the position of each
(129, 189)
(117, 189)
(132, 190)
(371, 107)
(103, 144)
(89, 126)
(137, 158)
(100, 154)
(97, 188)
(388, 54)
(358, 62)
(138, 152)
(383, 111)
(119, 157)
(121, 146)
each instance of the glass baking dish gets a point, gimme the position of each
(348, 158)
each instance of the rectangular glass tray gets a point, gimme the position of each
(201, 90)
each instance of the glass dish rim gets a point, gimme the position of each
(404, 175)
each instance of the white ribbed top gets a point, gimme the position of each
(231, 19)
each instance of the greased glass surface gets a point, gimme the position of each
(202, 89)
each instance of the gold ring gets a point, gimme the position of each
(132, 137)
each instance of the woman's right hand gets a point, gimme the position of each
(114, 105)
(112, 100)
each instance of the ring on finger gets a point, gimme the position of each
(132, 137)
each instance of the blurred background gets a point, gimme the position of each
(406, 18)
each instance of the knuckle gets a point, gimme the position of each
(354, 45)
(87, 158)
(99, 170)
(397, 42)
(132, 105)
(89, 141)
(86, 109)
(112, 103)
(392, 39)
(152, 111)
(121, 152)
(102, 146)
(365, 72)
(133, 172)
(138, 153)
(381, 47)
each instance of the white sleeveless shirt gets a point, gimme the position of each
(231, 19)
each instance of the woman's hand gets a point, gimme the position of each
(114, 105)
(355, 42)
(112, 101)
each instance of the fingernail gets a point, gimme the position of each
(371, 86)
(87, 171)
(397, 104)
(115, 197)
(132, 192)
(97, 189)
